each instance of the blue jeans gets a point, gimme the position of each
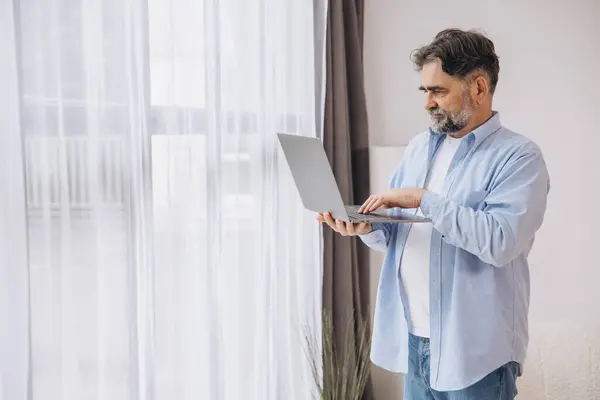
(497, 385)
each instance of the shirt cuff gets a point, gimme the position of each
(430, 203)
(367, 237)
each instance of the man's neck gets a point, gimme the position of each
(475, 122)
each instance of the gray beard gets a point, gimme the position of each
(452, 123)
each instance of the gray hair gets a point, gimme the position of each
(462, 53)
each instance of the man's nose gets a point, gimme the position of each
(430, 102)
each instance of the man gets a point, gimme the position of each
(453, 298)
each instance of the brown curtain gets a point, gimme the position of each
(346, 261)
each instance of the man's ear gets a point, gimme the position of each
(481, 87)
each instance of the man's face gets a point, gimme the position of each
(448, 100)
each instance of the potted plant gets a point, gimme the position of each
(341, 367)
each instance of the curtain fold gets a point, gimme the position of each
(14, 274)
(346, 262)
(153, 242)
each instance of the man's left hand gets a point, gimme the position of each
(402, 198)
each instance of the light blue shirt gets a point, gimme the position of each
(484, 222)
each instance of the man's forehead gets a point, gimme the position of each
(432, 75)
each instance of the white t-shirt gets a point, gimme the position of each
(414, 267)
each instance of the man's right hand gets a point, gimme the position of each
(345, 228)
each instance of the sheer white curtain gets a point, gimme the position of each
(167, 254)
(14, 293)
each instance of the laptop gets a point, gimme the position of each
(318, 189)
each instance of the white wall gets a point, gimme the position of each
(549, 90)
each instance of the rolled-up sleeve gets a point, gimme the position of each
(378, 238)
(514, 211)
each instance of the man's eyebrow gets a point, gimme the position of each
(431, 88)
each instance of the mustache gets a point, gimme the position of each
(436, 111)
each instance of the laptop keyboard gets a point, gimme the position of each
(355, 216)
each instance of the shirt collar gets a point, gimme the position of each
(480, 133)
